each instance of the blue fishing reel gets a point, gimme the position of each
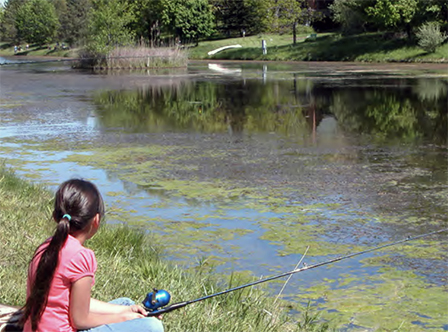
(156, 300)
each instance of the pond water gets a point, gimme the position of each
(244, 165)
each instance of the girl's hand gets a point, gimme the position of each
(129, 315)
(135, 308)
(138, 309)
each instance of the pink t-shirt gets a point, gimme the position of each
(75, 262)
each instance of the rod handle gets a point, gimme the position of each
(167, 309)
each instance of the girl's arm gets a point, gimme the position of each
(84, 317)
(100, 307)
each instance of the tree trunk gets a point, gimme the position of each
(294, 32)
(408, 30)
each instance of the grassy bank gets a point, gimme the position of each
(371, 47)
(130, 264)
(54, 50)
(368, 47)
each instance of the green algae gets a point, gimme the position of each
(386, 297)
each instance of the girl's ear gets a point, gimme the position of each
(96, 221)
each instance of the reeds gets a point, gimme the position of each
(131, 264)
(138, 57)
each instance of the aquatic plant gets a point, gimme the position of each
(138, 57)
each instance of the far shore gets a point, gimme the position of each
(367, 48)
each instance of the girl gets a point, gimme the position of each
(62, 272)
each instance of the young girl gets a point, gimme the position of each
(62, 272)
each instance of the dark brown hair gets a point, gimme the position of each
(81, 201)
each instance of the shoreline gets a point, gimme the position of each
(442, 63)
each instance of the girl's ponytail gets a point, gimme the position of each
(76, 203)
(37, 301)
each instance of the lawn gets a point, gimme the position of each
(368, 47)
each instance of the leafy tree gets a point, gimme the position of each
(75, 23)
(108, 25)
(286, 13)
(188, 19)
(60, 7)
(432, 11)
(2, 13)
(147, 24)
(8, 23)
(234, 16)
(37, 22)
(349, 15)
(394, 13)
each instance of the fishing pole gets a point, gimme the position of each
(156, 300)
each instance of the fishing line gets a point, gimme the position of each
(159, 298)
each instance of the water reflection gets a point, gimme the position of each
(387, 109)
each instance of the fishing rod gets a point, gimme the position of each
(156, 300)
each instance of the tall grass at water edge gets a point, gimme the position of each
(131, 263)
(138, 57)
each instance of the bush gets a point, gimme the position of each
(429, 36)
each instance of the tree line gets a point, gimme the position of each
(163, 22)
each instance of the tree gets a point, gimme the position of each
(286, 13)
(147, 24)
(234, 16)
(37, 22)
(108, 25)
(188, 19)
(349, 15)
(8, 24)
(60, 7)
(75, 23)
(394, 13)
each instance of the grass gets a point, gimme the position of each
(7, 49)
(252, 43)
(368, 47)
(131, 263)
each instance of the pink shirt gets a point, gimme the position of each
(75, 262)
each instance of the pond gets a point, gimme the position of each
(243, 166)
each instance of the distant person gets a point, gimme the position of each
(15, 48)
(62, 273)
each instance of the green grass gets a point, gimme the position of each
(252, 43)
(7, 49)
(131, 263)
(369, 47)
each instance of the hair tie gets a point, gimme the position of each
(69, 217)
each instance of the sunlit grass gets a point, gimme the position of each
(368, 47)
(131, 263)
(7, 49)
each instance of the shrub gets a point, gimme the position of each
(429, 36)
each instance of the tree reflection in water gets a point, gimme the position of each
(385, 110)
